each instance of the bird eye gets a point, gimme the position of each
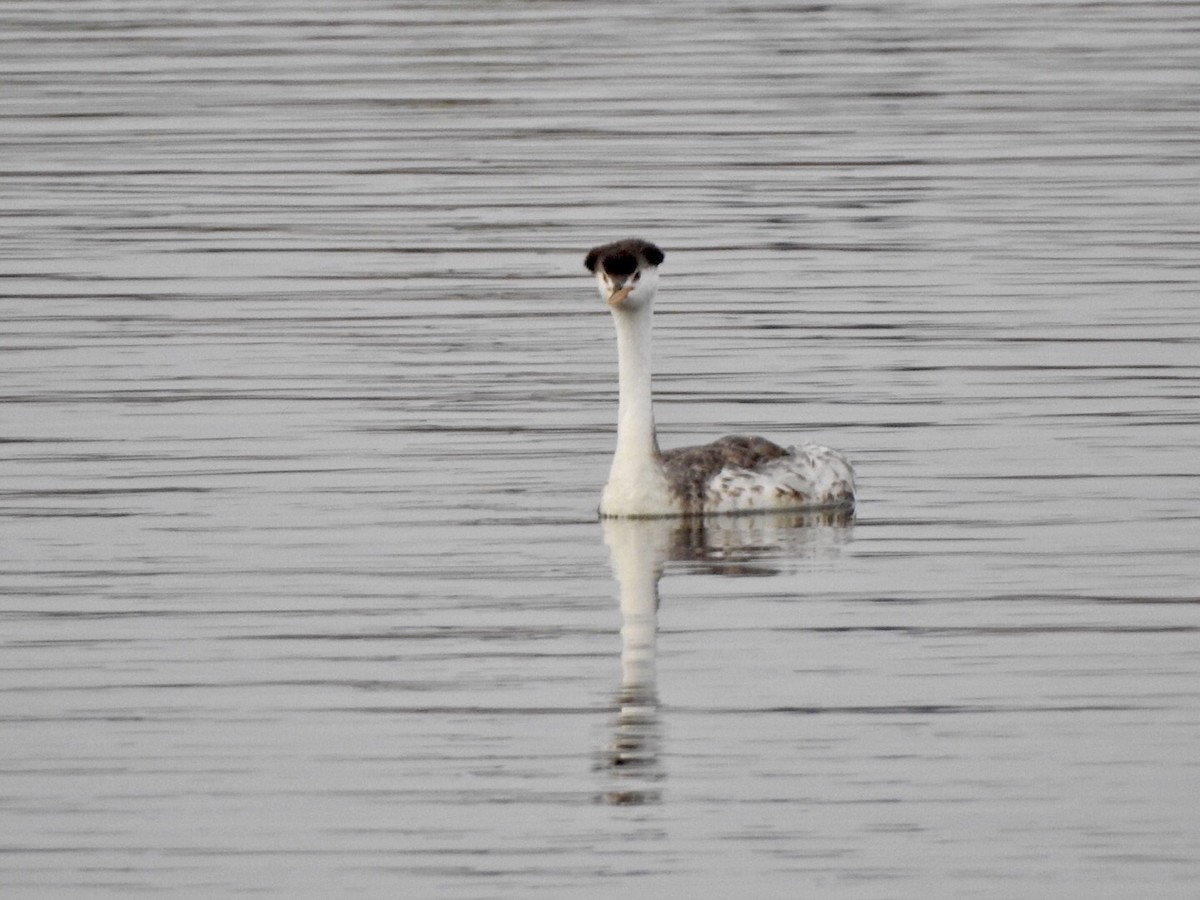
(636, 276)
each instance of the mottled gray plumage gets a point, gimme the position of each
(691, 469)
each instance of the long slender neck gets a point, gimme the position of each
(637, 445)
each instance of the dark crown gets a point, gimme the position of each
(623, 257)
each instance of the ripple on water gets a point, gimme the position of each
(306, 400)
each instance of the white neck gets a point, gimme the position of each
(636, 483)
(636, 439)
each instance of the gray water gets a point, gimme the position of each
(307, 402)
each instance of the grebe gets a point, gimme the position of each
(736, 474)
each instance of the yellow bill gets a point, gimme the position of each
(617, 297)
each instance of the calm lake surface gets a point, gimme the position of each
(307, 401)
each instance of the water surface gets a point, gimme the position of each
(307, 401)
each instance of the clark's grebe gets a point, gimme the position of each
(736, 474)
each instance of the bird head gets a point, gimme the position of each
(626, 272)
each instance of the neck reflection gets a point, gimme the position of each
(639, 550)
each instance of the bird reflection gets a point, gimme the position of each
(640, 550)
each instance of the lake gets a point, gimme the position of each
(307, 401)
